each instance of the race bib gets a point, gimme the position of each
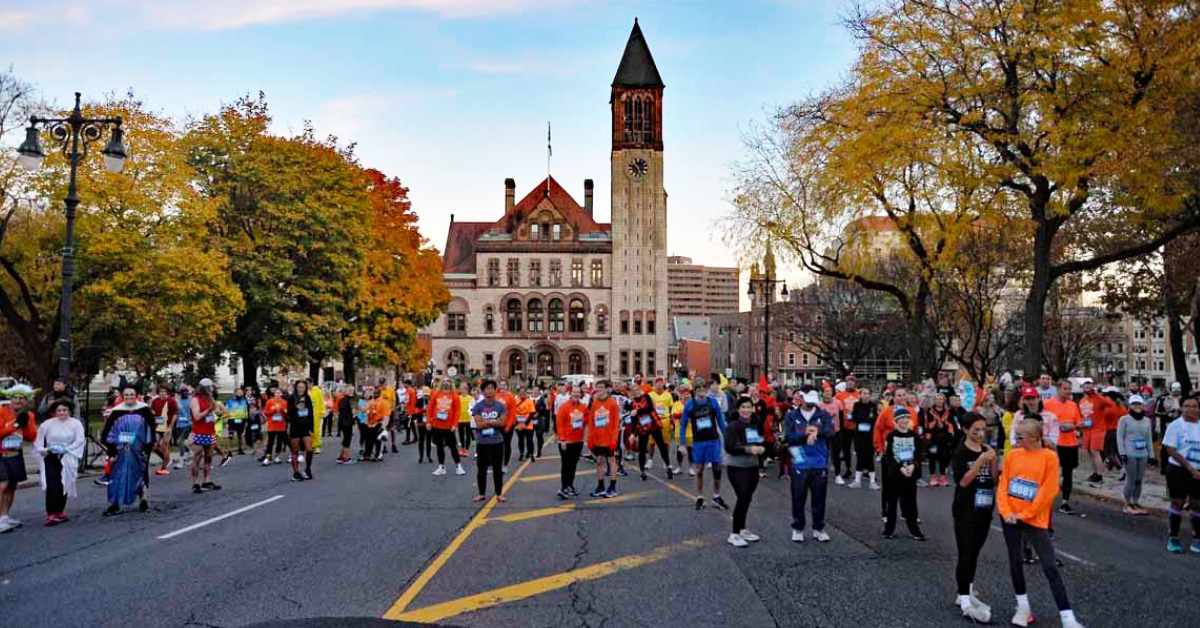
(302, 412)
(704, 424)
(661, 411)
(126, 438)
(160, 420)
(904, 452)
(601, 420)
(645, 420)
(933, 449)
(442, 414)
(522, 419)
(753, 437)
(1193, 456)
(1087, 424)
(984, 498)
(576, 424)
(487, 431)
(58, 449)
(864, 427)
(798, 458)
(12, 441)
(1139, 444)
(1020, 488)
(534, 423)
(277, 418)
(255, 427)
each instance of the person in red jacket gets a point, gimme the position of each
(18, 424)
(569, 422)
(443, 413)
(1098, 413)
(603, 430)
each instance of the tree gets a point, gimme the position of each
(400, 288)
(1072, 338)
(147, 291)
(1058, 98)
(293, 217)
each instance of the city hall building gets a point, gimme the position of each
(546, 289)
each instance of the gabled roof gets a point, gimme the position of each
(459, 254)
(637, 67)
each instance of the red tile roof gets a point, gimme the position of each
(459, 254)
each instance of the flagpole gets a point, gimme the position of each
(549, 153)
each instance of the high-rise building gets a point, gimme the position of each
(697, 290)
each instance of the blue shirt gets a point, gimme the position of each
(816, 455)
(708, 422)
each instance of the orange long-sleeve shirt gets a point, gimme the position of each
(443, 410)
(1028, 485)
(886, 424)
(377, 410)
(603, 423)
(276, 412)
(570, 420)
(524, 410)
(510, 408)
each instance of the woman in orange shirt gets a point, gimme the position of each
(523, 422)
(603, 431)
(1030, 484)
(569, 423)
(276, 412)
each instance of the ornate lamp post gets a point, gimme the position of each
(74, 134)
(763, 286)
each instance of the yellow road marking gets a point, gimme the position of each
(600, 501)
(534, 514)
(555, 476)
(673, 487)
(418, 585)
(530, 588)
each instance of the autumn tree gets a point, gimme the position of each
(293, 216)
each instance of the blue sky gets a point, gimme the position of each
(452, 96)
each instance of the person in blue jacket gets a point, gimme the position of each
(807, 430)
(703, 413)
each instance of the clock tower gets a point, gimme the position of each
(639, 213)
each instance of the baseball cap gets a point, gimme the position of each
(1176, 387)
(206, 383)
(1087, 380)
(1029, 392)
(1136, 399)
(900, 413)
(811, 397)
(1111, 389)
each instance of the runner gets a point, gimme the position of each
(129, 432)
(165, 410)
(570, 419)
(974, 469)
(846, 398)
(647, 425)
(346, 406)
(182, 432)
(60, 445)
(489, 416)
(702, 415)
(510, 419)
(204, 419)
(899, 477)
(238, 410)
(662, 401)
(1031, 481)
(835, 409)
(524, 424)
(18, 423)
(886, 422)
(444, 408)
(603, 435)
(379, 414)
(743, 445)
(863, 416)
(254, 424)
(1097, 411)
(1135, 433)
(541, 418)
(1182, 446)
(1045, 387)
(1070, 419)
(276, 411)
(424, 439)
(301, 426)
(465, 401)
(807, 430)
(409, 396)
(683, 437)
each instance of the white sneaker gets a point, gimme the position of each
(178, 465)
(266, 462)
(1023, 617)
(460, 471)
(874, 486)
(692, 472)
(674, 470)
(440, 470)
(5, 526)
(736, 540)
(504, 469)
(1072, 623)
(977, 614)
(821, 536)
(855, 484)
(978, 603)
(300, 459)
(839, 481)
(749, 536)
(650, 464)
(797, 536)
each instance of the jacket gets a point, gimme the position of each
(816, 456)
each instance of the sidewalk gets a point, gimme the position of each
(1154, 488)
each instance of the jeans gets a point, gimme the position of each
(1039, 540)
(970, 533)
(744, 481)
(570, 462)
(489, 457)
(816, 481)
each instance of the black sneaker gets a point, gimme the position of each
(1066, 509)
(308, 475)
(572, 491)
(209, 486)
(1095, 478)
(196, 489)
(296, 477)
(699, 503)
(720, 503)
(622, 472)
(889, 535)
(597, 493)
(919, 537)
(563, 495)
(112, 510)
(143, 505)
(670, 474)
(643, 476)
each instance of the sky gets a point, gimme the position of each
(453, 96)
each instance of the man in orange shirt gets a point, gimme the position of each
(603, 430)
(569, 424)
(379, 411)
(442, 414)
(523, 420)
(503, 395)
(1099, 414)
(1069, 419)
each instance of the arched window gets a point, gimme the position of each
(456, 317)
(456, 359)
(555, 315)
(489, 320)
(601, 320)
(535, 315)
(545, 363)
(578, 319)
(512, 315)
(516, 363)
(575, 362)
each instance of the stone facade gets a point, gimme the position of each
(546, 290)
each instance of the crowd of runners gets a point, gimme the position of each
(1009, 452)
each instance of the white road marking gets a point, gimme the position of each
(1086, 563)
(227, 515)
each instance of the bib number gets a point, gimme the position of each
(864, 427)
(576, 424)
(753, 437)
(126, 438)
(487, 431)
(522, 419)
(1139, 444)
(302, 412)
(602, 421)
(798, 457)
(277, 418)
(933, 449)
(904, 453)
(442, 415)
(1087, 424)
(645, 420)
(58, 450)
(12, 441)
(984, 498)
(1193, 456)
(661, 411)
(1020, 488)
(704, 424)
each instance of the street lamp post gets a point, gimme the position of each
(764, 286)
(74, 134)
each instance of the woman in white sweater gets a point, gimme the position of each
(60, 444)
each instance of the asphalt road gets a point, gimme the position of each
(389, 540)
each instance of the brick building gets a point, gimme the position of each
(697, 290)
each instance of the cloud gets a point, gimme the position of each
(232, 14)
(14, 19)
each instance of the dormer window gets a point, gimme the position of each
(534, 231)
(556, 232)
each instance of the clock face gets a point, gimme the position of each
(637, 168)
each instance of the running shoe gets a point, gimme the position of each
(749, 536)
(563, 495)
(674, 469)
(838, 480)
(101, 481)
(225, 460)
(308, 475)
(572, 491)
(797, 536)
(11, 522)
(1023, 617)
(440, 470)
(458, 470)
(1095, 478)
(855, 484)
(209, 486)
(1174, 546)
(670, 474)
(178, 465)
(597, 493)
(622, 472)
(692, 472)
(300, 458)
(875, 486)
(143, 505)
(111, 510)
(821, 536)
(266, 462)
(650, 464)
(1065, 508)
(977, 615)
(699, 503)
(296, 477)
(720, 503)
(612, 492)
(162, 471)
(920, 537)
(278, 459)
(736, 540)
(196, 489)
(643, 476)
(1071, 623)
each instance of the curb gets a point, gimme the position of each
(1103, 495)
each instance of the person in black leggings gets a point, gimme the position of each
(973, 466)
(570, 420)
(744, 443)
(345, 423)
(489, 417)
(424, 440)
(863, 415)
(647, 426)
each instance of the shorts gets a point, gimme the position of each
(1092, 440)
(601, 452)
(203, 440)
(706, 452)
(179, 433)
(12, 469)
(300, 430)
(1181, 485)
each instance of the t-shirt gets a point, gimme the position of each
(489, 410)
(1066, 412)
(662, 403)
(1029, 485)
(1184, 437)
(979, 497)
(276, 412)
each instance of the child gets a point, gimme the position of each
(899, 476)
(1133, 445)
